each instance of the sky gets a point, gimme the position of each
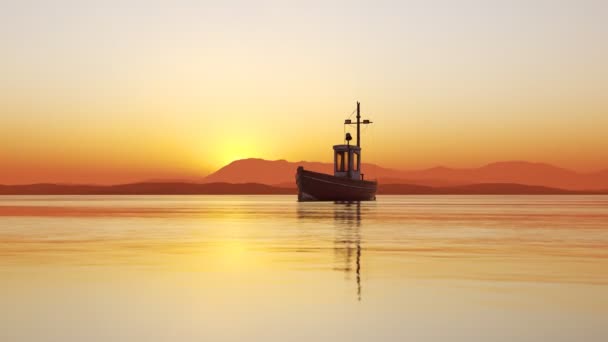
(120, 91)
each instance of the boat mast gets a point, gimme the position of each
(358, 124)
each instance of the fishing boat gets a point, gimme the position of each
(347, 183)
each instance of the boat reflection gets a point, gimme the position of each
(347, 218)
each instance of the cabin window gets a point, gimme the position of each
(347, 161)
(355, 162)
(340, 161)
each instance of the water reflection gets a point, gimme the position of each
(347, 220)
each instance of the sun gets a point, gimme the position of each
(231, 150)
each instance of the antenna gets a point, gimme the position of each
(359, 123)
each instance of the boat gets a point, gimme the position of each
(347, 183)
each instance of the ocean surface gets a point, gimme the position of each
(267, 268)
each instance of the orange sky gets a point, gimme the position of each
(128, 92)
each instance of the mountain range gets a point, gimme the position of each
(259, 176)
(281, 173)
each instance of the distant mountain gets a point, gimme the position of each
(519, 172)
(262, 189)
(478, 189)
(259, 176)
(282, 173)
(262, 171)
(145, 189)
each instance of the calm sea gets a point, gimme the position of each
(267, 268)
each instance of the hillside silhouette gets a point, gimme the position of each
(478, 189)
(281, 173)
(263, 189)
(261, 177)
(180, 188)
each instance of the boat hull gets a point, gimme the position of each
(315, 186)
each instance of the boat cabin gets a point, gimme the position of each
(347, 161)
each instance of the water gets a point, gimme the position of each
(233, 268)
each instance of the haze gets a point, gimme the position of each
(122, 91)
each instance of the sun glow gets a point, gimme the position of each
(229, 150)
